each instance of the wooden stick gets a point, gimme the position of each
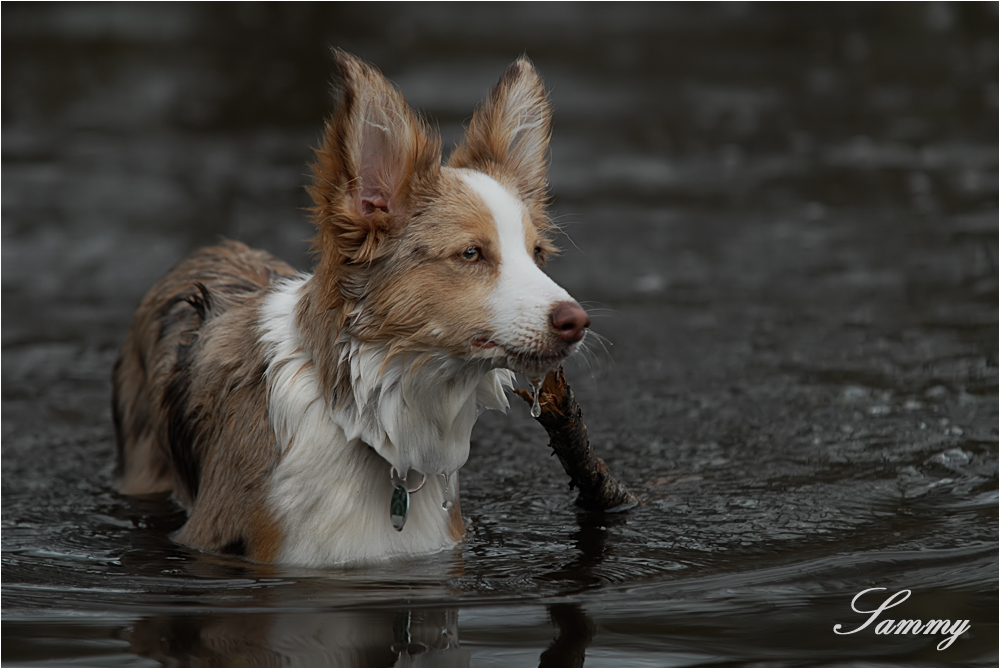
(563, 421)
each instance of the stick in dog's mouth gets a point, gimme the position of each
(554, 406)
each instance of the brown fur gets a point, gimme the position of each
(508, 138)
(189, 404)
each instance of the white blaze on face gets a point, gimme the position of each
(521, 302)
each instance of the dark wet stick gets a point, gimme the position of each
(563, 421)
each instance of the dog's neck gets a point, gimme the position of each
(416, 410)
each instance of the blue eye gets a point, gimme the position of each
(472, 254)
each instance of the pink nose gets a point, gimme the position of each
(569, 320)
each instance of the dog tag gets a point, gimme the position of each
(399, 505)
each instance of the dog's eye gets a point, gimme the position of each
(539, 257)
(471, 254)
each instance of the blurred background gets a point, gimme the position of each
(783, 218)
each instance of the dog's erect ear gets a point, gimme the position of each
(509, 133)
(376, 157)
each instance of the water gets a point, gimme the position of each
(783, 219)
(536, 390)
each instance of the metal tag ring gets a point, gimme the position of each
(400, 482)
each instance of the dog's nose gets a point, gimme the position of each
(570, 320)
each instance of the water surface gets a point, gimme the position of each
(784, 220)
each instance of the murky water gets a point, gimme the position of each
(783, 218)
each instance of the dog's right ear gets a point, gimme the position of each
(375, 159)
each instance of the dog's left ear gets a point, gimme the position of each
(509, 133)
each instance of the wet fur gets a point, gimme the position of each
(272, 403)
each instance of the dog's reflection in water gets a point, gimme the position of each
(350, 638)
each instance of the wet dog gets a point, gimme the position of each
(322, 418)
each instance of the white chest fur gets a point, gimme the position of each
(331, 489)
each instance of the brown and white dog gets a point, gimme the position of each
(288, 412)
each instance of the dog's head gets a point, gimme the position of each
(425, 257)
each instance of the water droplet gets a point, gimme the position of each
(536, 409)
(450, 490)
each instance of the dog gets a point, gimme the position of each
(321, 419)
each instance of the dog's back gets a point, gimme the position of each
(157, 396)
